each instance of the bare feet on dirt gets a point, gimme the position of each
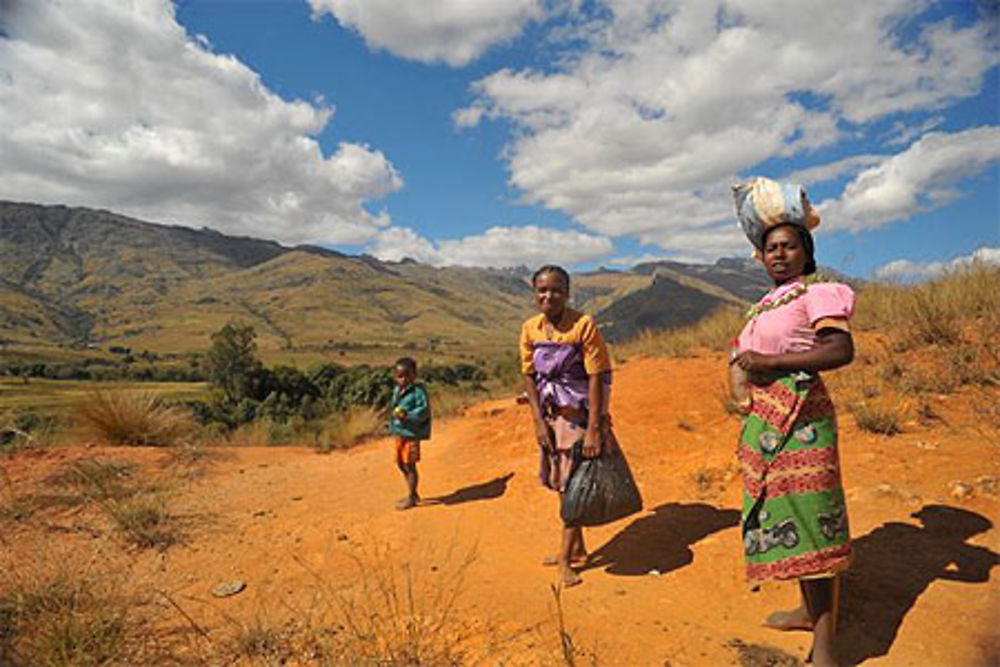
(791, 619)
(569, 577)
(407, 503)
(578, 560)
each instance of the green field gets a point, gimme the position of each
(55, 395)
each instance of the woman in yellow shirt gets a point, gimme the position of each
(567, 373)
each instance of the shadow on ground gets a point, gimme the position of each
(895, 563)
(484, 491)
(661, 540)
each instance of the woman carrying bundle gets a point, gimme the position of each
(794, 516)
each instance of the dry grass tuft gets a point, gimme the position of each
(395, 612)
(133, 418)
(64, 617)
(144, 521)
(938, 312)
(252, 434)
(346, 429)
(95, 479)
(882, 418)
(13, 507)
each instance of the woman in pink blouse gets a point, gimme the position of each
(794, 515)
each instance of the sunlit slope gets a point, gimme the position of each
(99, 277)
(76, 277)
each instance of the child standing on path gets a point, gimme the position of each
(410, 422)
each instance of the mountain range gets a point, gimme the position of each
(76, 278)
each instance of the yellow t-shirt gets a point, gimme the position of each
(574, 328)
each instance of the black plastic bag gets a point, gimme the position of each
(600, 490)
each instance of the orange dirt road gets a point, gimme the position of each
(668, 583)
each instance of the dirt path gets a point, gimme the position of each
(669, 584)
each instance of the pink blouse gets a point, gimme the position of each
(789, 327)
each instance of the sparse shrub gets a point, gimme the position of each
(395, 616)
(20, 429)
(144, 521)
(934, 312)
(253, 434)
(921, 381)
(884, 419)
(341, 430)
(94, 479)
(133, 418)
(965, 364)
(260, 641)
(63, 617)
(12, 506)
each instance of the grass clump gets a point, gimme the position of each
(258, 641)
(344, 429)
(144, 521)
(63, 618)
(937, 312)
(95, 479)
(395, 612)
(133, 418)
(22, 429)
(884, 419)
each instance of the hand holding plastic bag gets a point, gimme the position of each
(600, 490)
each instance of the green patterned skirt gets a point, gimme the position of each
(794, 516)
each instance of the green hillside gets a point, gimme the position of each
(86, 280)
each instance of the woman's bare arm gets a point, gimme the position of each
(541, 429)
(595, 401)
(834, 348)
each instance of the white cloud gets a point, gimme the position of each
(903, 133)
(112, 104)
(834, 170)
(455, 32)
(908, 269)
(641, 132)
(918, 179)
(497, 246)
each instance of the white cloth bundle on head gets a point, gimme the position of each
(762, 204)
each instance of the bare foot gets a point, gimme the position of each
(793, 619)
(577, 559)
(407, 503)
(569, 577)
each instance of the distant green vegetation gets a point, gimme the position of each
(244, 389)
(141, 366)
(241, 400)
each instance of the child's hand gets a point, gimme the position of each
(591, 444)
(399, 413)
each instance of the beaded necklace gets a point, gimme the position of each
(763, 306)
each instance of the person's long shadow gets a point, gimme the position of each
(892, 567)
(661, 541)
(484, 491)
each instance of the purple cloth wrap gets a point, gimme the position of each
(560, 375)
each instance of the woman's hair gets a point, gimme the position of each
(551, 268)
(407, 364)
(807, 243)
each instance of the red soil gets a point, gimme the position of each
(277, 517)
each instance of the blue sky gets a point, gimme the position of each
(502, 132)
